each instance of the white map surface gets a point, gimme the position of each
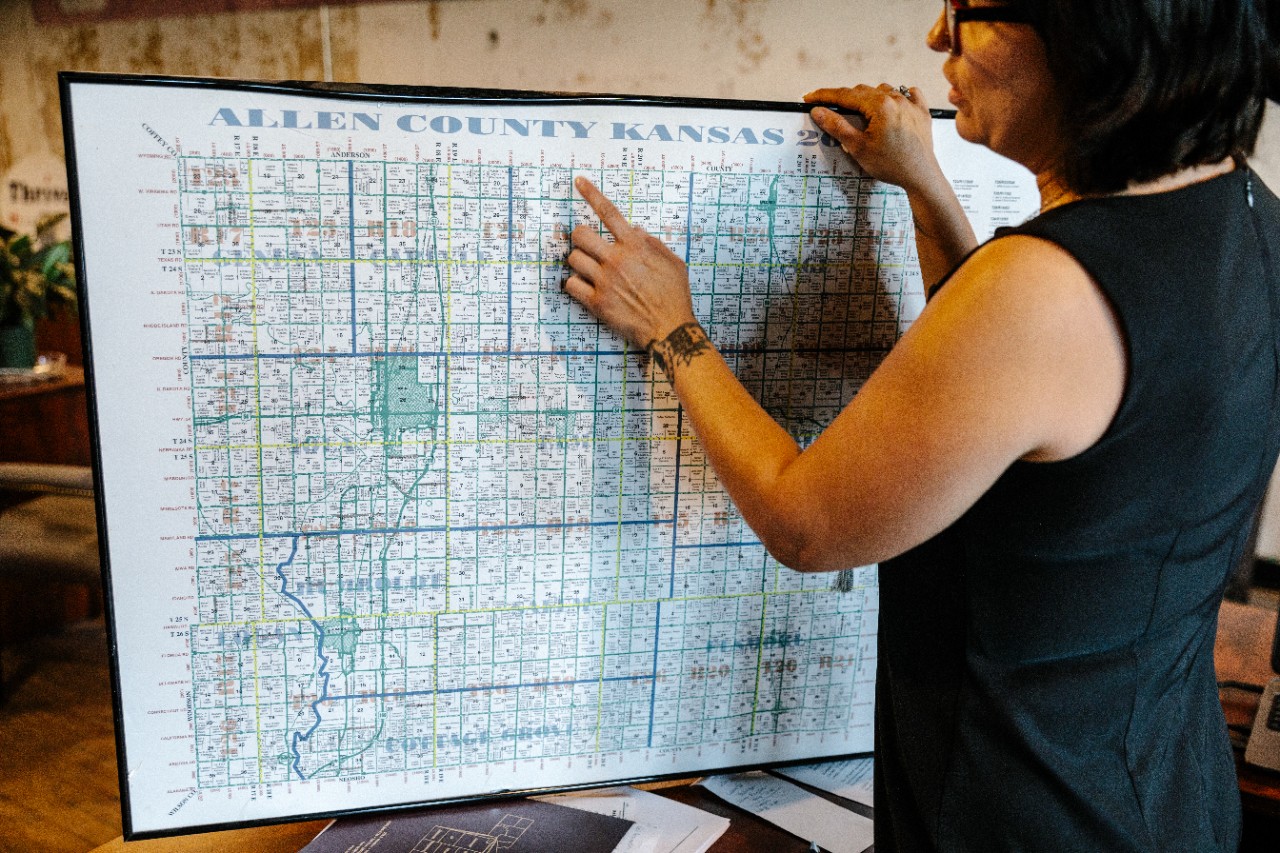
(390, 518)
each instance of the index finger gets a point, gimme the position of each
(605, 209)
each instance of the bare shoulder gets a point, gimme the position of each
(1018, 357)
(1023, 315)
(1027, 277)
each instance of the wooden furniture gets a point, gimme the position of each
(1243, 654)
(283, 838)
(45, 421)
(746, 834)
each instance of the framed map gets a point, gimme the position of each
(387, 519)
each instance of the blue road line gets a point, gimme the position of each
(470, 528)
(688, 227)
(351, 217)
(510, 247)
(304, 356)
(486, 687)
(653, 688)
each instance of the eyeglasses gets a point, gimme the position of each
(956, 12)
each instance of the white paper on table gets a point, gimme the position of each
(805, 815)
(661, 825)
(849, 779)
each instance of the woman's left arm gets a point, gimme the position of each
(1019, 356)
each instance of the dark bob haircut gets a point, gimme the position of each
(1149, 87)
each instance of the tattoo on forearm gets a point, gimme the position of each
(681, 347)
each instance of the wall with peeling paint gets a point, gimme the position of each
(718, 48)
(773, 49)
(770, 49)
(766, 49)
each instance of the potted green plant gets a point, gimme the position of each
(36, 279)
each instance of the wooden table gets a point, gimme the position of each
(1243, 653)
(282, 838)
(746, 833)
(45, 421)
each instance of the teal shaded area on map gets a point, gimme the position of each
(343, 639)
(401, 401)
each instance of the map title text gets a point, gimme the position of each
(450, 125)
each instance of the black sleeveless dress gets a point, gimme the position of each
(1046, 678)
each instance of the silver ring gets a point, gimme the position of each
(905, 91)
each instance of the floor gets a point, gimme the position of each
(58, 786)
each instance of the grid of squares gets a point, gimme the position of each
(411, 447)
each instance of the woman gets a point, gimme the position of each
(1057, 464)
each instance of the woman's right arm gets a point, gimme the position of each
(897, 147)
(1018, 357)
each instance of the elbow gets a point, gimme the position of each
(812, 546)
(793, 529)
(808, 534)
(802, 550)
(787, 552)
